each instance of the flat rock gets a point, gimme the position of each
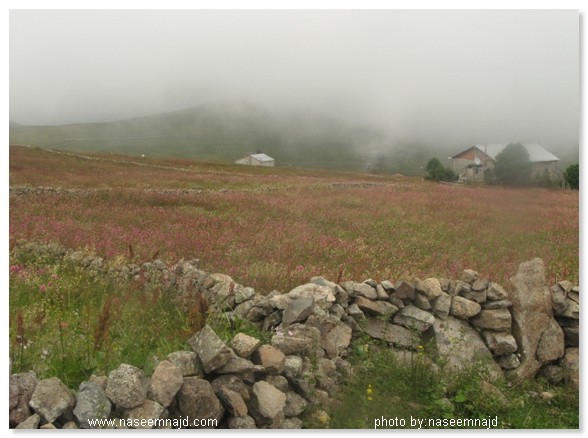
(51, 398)
(393, 334)
(412, 317)
(431, 287)
(375, 308)
(298, 310)
(244, 345)
(463, 308)
(323, 295)
(498, 320)
(166, 381)
(212, 352)
(31, 422)
(91, 403)
(232, 401)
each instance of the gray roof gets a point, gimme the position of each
(536, 152)
(261, 157)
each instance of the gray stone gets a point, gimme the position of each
(394, 299)
(295, 404)
(376, 308)
(144, 415)
(572, 336)
(382, 294)
(267, 403)
(572, 310)
(13, 396)
(335, 343)
(571, 366)
(70, 425)
(243, 294)
(509, 362)
(551, 345)
(31, 422)
(272, 359)
(355, 312)
(278, 381)
(48, 426)
(414, 318)
(463, 308)
(280, 301)
(496, 292)
(469, 276)
(196, 399)
(326, 376)
(460, 347)
(124, 386)
(257, 313)
(499, 343)
(574, 296)
(232, 401)
(238, 365)
(558, 300)
(298, 310)
(293, 365)
(473, 295)
(272, 321)
(323, 295)
(532, 313)
(391, 333)
(244, 345)
(480, 285)
(405, 291)
(51, 398)
(363, 290)
(91, 403)
(431, 287)
(388, 286)
(422, 302)
(321, 281)
(232, 382)
(442, 305)
(342, 297)
(299, 345)
(165, 383)
(499, 304)
(293, 423)
(212, 352)
(566, 286)
(337, 310)
(245, 422)
(25, 384)
(187, 362)
(242, 310)
(494, 319)
(371, 282)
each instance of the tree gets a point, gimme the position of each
(572, 176)
(513, 166)
(435, 170)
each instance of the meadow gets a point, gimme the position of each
(276, 228)
(268, 228)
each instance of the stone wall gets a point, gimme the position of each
(530, 330)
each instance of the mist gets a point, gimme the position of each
(442, 78)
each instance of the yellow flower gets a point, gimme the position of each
(369, 392)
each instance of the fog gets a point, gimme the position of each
(439, 77)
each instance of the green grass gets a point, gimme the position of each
(383, 387)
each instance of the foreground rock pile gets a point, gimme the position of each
(245, 383)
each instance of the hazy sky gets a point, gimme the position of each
(457, 76)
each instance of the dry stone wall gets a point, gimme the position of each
(530, 330)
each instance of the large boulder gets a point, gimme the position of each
(124, 386)
(532, 319)
(267, 403)
(298, 310)
(91, 403)
(51, 398)
(22, 386)
(414, 318)
(393, 334)
(459, 346)
(165, 383)
(213, 353)
(197, 400)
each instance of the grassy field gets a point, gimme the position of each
(276, 228)
(269, 229)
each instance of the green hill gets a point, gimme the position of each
(216, 132)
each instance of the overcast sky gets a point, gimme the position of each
(457, 76)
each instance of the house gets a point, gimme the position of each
(257, 160)
(473, 163)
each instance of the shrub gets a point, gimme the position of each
(572, 176)
(513, 166)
